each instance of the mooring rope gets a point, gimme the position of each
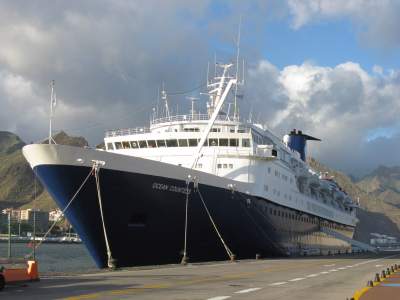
(96, 166)
(184, 258)
(62, 213)
(228, 251)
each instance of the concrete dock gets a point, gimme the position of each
(329, 278)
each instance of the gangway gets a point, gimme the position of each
(342, 237)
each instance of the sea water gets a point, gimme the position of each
(53, 258)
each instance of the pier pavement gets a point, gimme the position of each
(329, 278)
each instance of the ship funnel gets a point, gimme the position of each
(297, 141)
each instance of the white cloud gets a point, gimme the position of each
(339, 104)
(376, 21)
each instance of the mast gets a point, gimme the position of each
(217, 96)
(53, 102)
(164, 97)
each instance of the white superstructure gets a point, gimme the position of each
(220, 143)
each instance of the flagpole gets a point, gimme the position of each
(52, 104)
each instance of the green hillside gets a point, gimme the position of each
(17, 184)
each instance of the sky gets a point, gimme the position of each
(330, 68)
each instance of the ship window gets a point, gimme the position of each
(219, 166)
(215, 129)
(245, 142)
(274, 152)
(183, 143)
(225, 166)
(152, 143)
(126, 145)
(223, 142)
(110, 146)
(192, 142)
(197, 129)
(230, 166)
(233, 142)
(172, 143)
(232, 130)
(199, 166)
(161, 143)
(142, 144)
(118, 145)
(134, 144)
(213, 142)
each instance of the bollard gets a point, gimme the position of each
(392, 269)
(377, 279)
(387, 271)
(369, 283)
(395, 266)
(383, 275)
(184, 260)
(258, 256)
(233, 257)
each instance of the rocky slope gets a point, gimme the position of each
(376, 214)
(17, 184)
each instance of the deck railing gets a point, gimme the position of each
(188, 118)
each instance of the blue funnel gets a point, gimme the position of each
(298, 141)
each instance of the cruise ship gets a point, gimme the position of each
(202, 186)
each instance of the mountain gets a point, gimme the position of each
(376, 213)
(383, 183)
(17, 183)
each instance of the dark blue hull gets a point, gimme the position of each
(145, 215)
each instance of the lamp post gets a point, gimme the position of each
(9, 234)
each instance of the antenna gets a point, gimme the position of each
(237, 69)
(164, 97)
(53, 103)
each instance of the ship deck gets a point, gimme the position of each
(334, 277)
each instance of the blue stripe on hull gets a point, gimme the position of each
(145, 225)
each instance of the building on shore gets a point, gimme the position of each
(55, 215)
(28, 216)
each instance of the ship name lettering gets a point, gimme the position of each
(170, 188)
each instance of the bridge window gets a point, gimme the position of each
(126, 145)
(151, 144)
(134, 144)
(192, 142)
(223, 142)
(142, 144)
(183, 143)
(172, 143)
(110, 146)
(233, 142)
(213, 142)
(161, 143)
(245, 142)
(118, 145)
